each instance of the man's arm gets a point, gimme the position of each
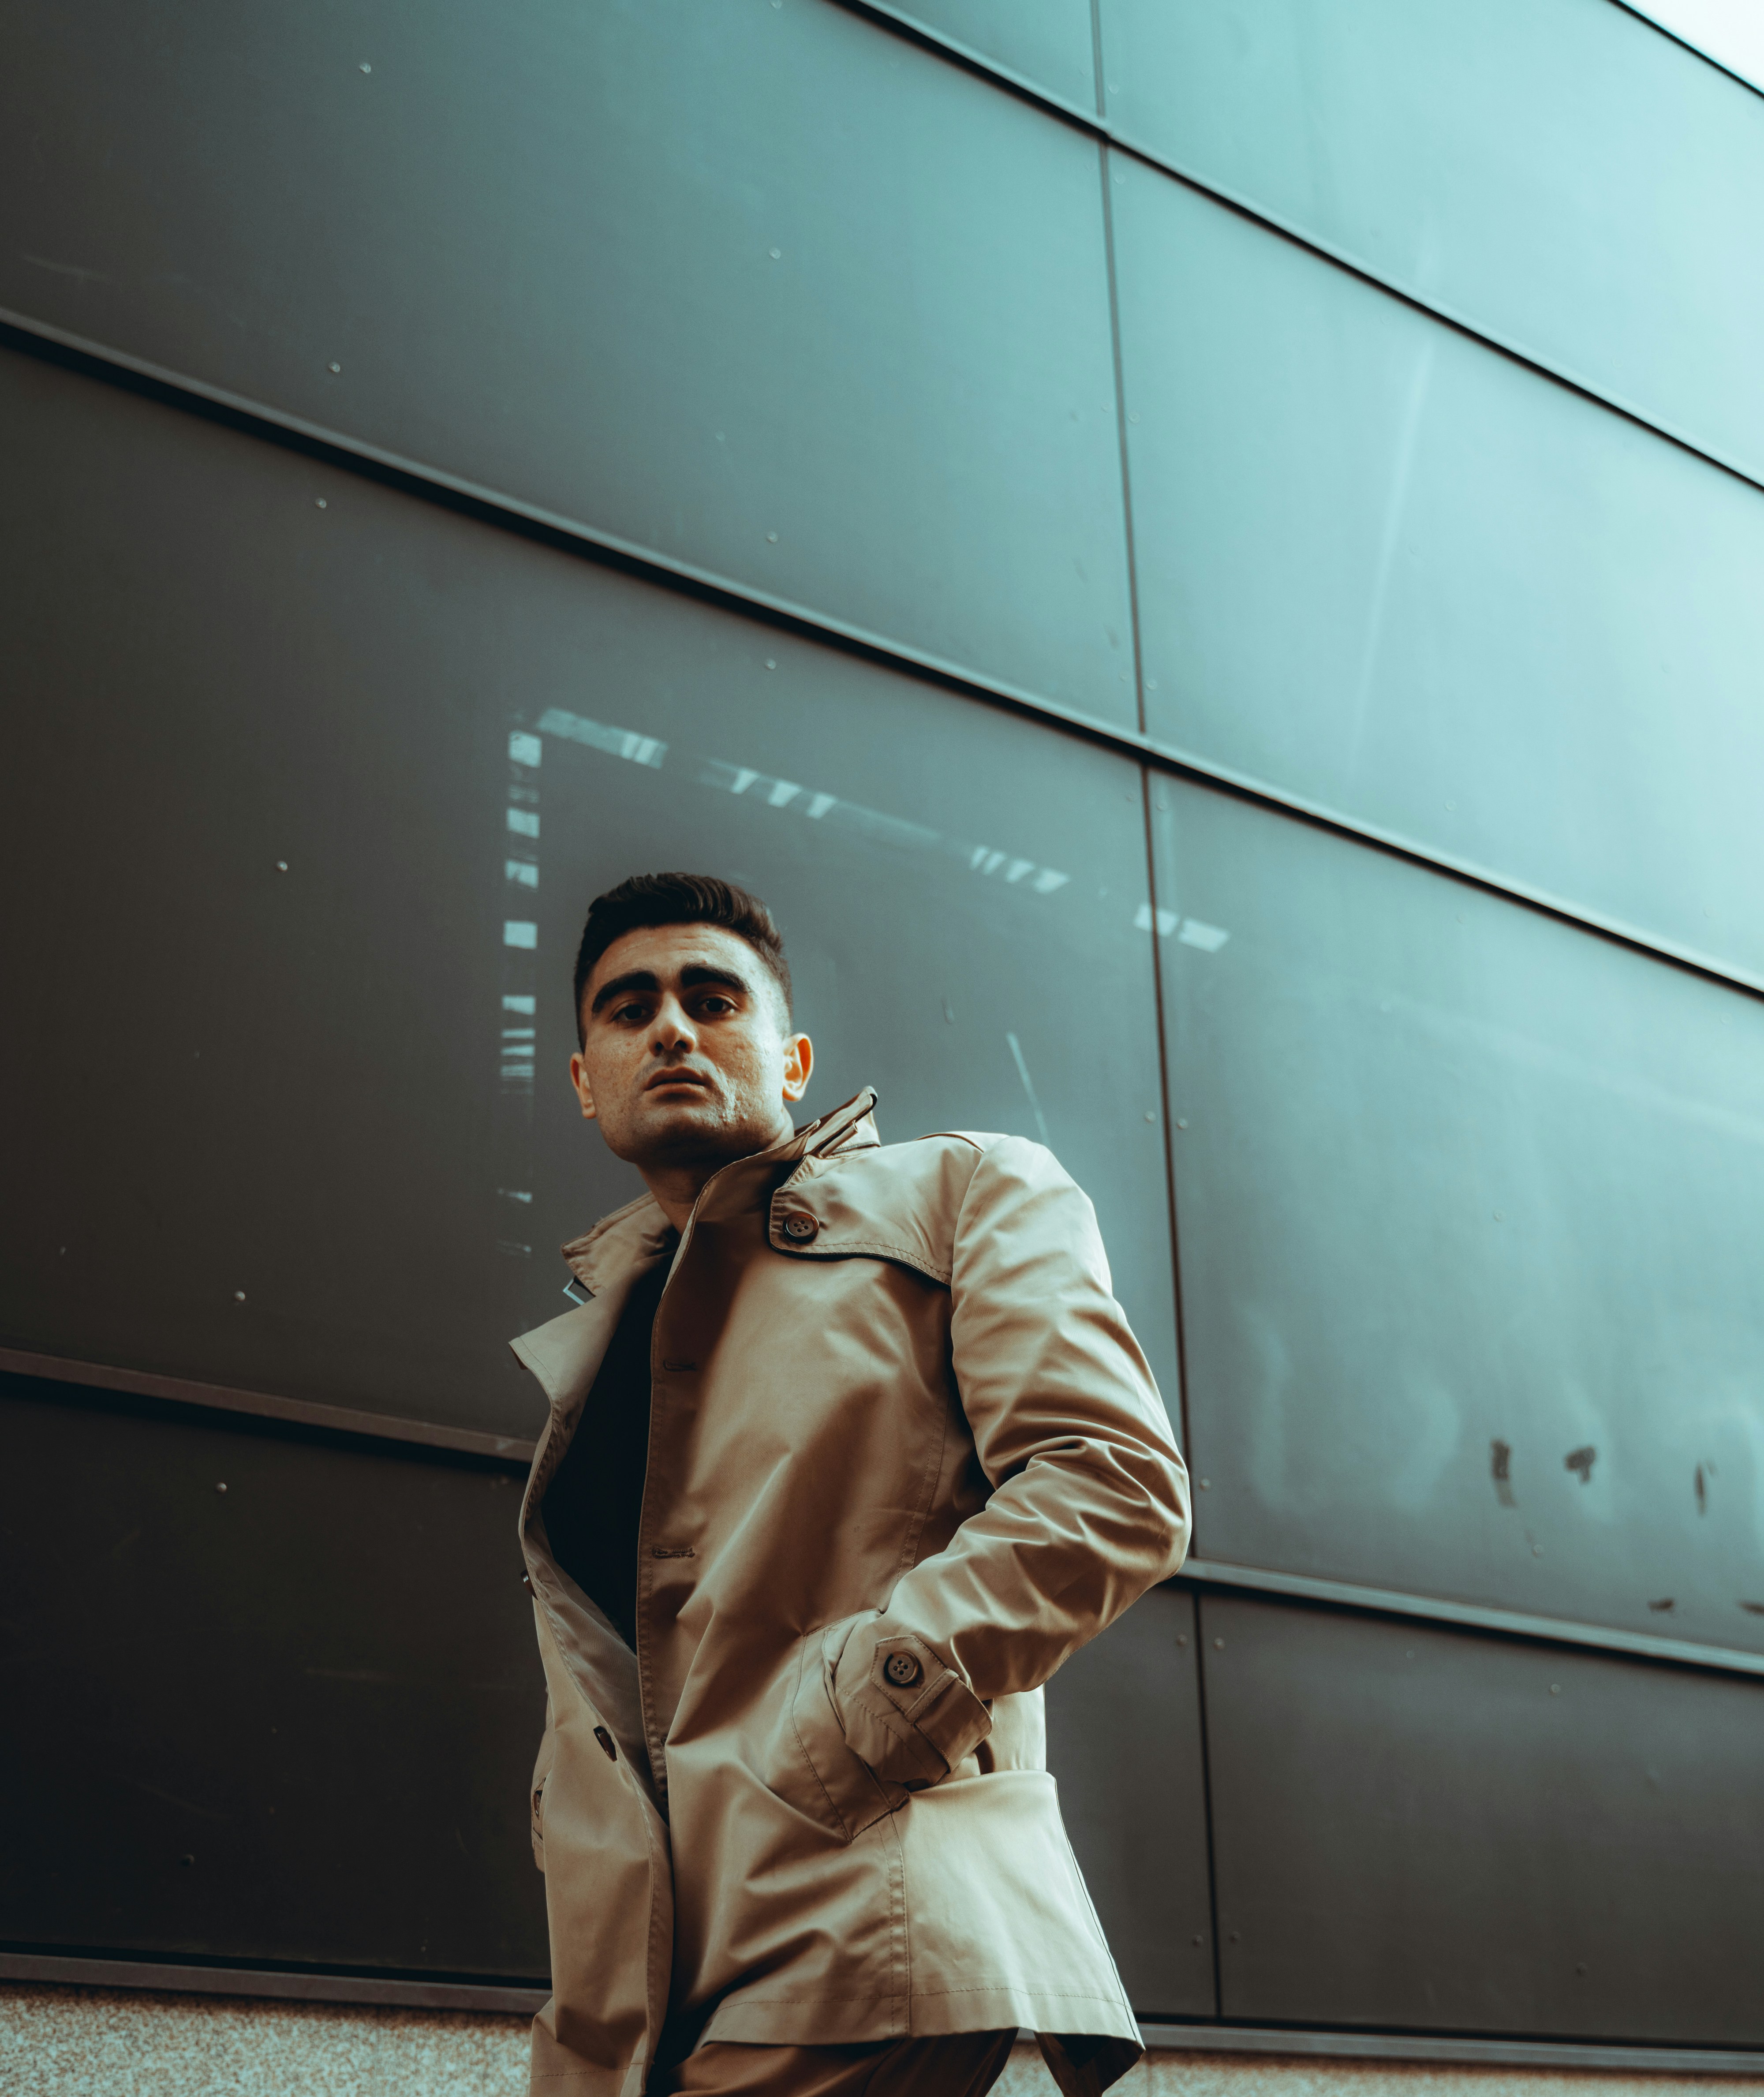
(1090, 1504)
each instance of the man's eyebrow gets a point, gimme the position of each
(701, 972)
(632, 980)
(691, 977)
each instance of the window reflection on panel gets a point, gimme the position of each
(1391, 572)
(962, 901)
(1469, 1204)
(303, 1124)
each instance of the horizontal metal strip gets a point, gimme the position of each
(416, 479)
(25, 1966)
(1419, 2045)
(508, 1449)
(1303, 236)
(1471, 1616)
(1211, 1572)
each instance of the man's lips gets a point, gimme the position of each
(677, 1078)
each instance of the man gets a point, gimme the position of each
(850, 1446)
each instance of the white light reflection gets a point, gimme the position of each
(517, 933)
(1023, 1072)
(983, 860)
(513, 1003)
(524, 822)
(1208, 937)
(524, 871)
(1167, 920)
(623, 742)
(524, 748)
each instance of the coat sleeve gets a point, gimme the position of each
(1090, 1499)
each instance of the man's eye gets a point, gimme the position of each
(717, 1004)
(633, 1013)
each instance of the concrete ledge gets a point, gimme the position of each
(62, 2040)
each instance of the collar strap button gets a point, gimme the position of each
(800, 1229)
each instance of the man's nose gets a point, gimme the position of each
(671, 1029)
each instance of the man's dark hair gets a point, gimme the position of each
(678, 898)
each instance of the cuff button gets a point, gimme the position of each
(902, 1670)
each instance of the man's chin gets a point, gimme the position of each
(676, 1127)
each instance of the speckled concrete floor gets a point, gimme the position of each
(57, 2042)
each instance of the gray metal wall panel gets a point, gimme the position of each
(1469, 1208)
(1556, 170)
(1049, 42)
(768, 290)
(311, 1131)
(1419, 1828)
(292, 1721)
(1386, 569)
(1124, 1741)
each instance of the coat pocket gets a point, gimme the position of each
(848, 1795)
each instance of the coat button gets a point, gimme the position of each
(801, 1228)
(607, 1748)
(902, 1668)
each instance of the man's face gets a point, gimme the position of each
(687, 1059)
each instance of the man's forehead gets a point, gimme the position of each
(666, 951)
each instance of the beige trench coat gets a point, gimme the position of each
(905, 1457)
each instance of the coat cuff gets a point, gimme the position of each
(906, 1712)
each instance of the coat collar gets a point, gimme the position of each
(639, 1231)
(607, 1260)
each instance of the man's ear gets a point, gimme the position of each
(585, 1092)
(799, 1060)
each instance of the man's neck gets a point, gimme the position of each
(676, 1187)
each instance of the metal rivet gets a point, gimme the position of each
(1182, 1125)
(1151, 683)
(320, 503)
(1133, 419)
(1497, 1216)
(1218, 1645)
(1537, 1551)
(771, 663)
(1151, 1117)
(1206, 1484)
(1580, 1966)
(776, 253)
(772, 538)
(1198, 1938)
(238, 1296)
(1182, 1638)
(1555, 1689)
(281, 866)
(1452, 805)
(336, 367)
(187, 1859)
(365, 67)
(1236, 1938)
(220, 1487)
